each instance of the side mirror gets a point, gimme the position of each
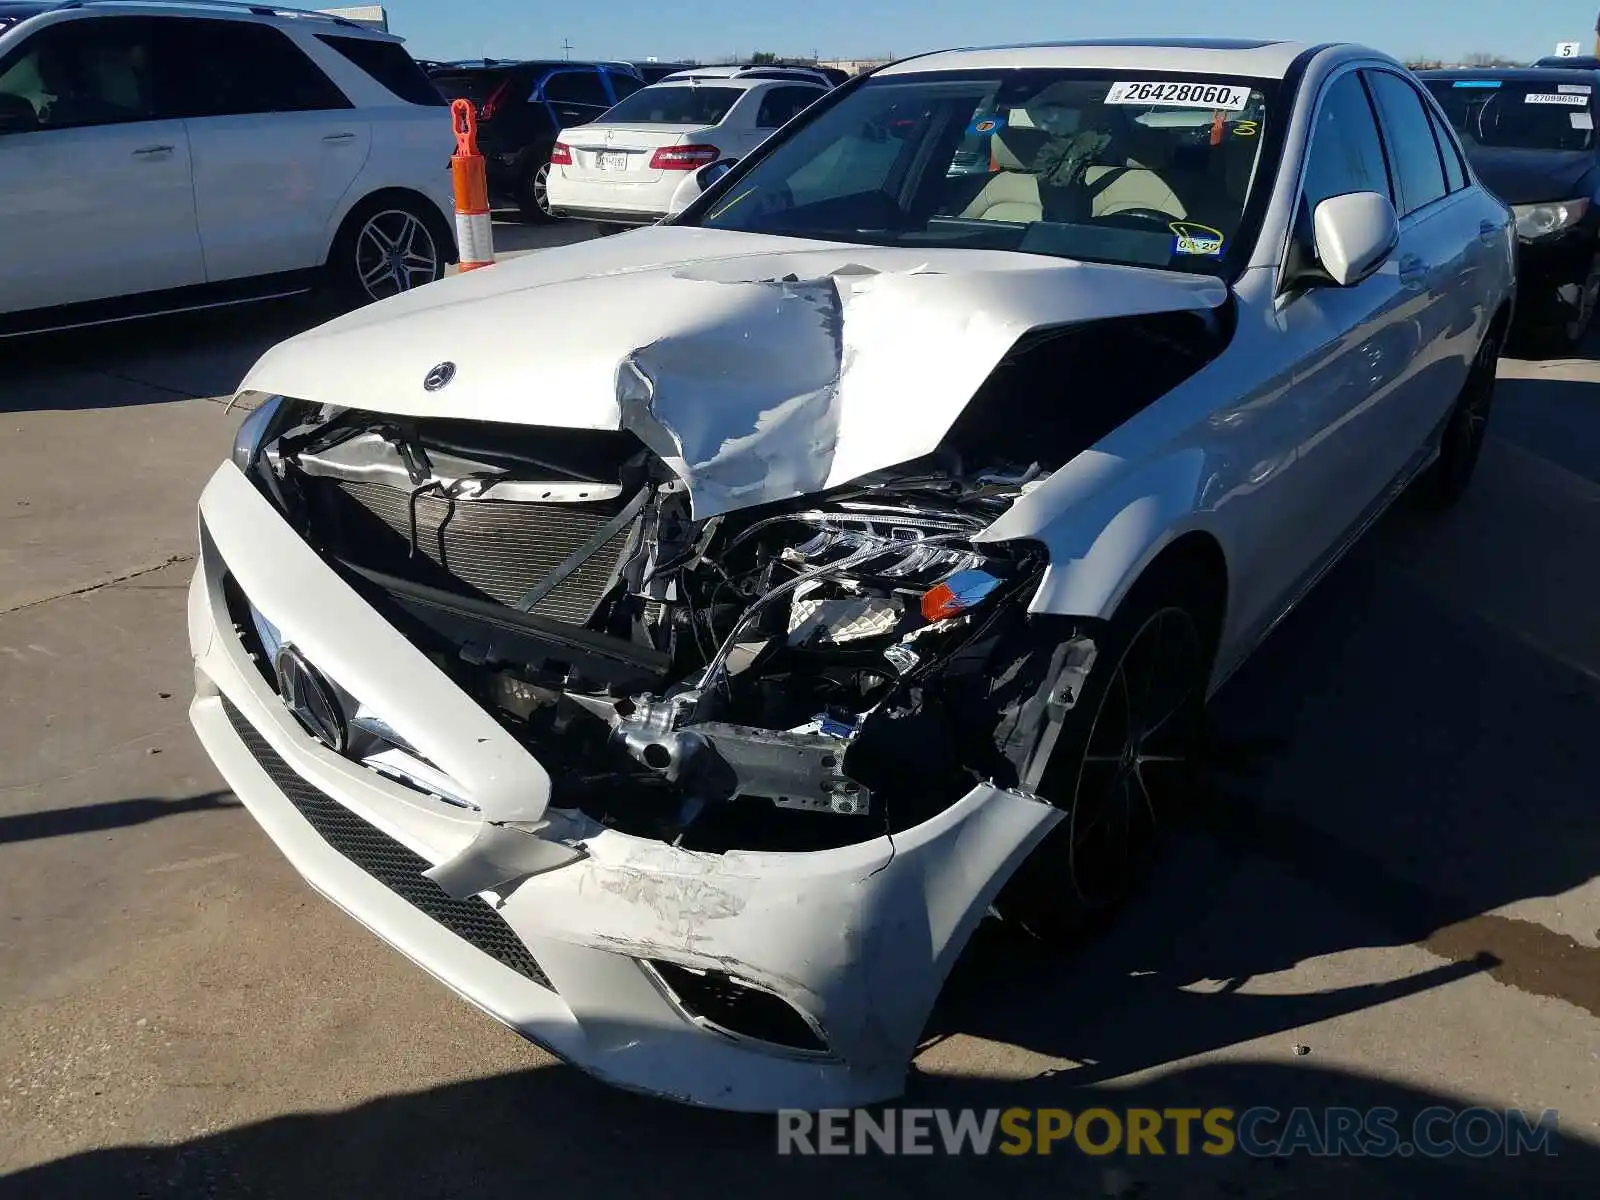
(16, 115)
(698, 182)
(1354, 235)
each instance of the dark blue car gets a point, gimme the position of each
(522, 106)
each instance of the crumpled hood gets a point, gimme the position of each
(1532, 176)
(760, 368)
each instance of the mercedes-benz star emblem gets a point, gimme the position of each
(310, 698)
(439, 376)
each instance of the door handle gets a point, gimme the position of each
(1413, 272)
(151, 151)
(339, 137)
(1488, 232)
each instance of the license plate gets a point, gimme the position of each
(612, 160)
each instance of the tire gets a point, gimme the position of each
(533, 199)
(1446, 479)
(1124, 763)
(389, 244)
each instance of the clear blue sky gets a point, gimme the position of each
(871, 28)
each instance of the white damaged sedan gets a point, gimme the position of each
(677, 643)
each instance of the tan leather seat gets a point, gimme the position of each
(1012, 193)
(1136, 187)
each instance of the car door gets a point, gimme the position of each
(1442, 252)
(95, 190)
(574, 97)
(276, 145)
(1355, 345)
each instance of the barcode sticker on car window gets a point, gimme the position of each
(1574, 89)
(1222, 96)
(1557, 98)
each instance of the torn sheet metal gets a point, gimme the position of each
(763, 367)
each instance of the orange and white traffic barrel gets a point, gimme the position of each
(474, 227)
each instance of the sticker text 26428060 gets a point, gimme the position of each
(1223, 96)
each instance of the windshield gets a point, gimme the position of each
(1073, 164)
(674, 104)
(1518, 114)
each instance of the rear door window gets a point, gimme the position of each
(781, 104)
(233, 68)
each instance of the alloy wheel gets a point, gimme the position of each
(1138, 753)
(541, 189)
(395, 252)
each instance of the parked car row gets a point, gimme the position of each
(571, 139)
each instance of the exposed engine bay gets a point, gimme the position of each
(792, 675)
(745, 680)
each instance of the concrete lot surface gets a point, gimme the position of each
(1391, 899)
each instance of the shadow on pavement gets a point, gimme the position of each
(158, 359)
(552, 1131)
(94, 818)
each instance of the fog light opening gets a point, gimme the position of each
(739, 1009)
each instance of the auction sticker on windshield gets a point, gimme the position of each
(1223, 96)
(1554, 98)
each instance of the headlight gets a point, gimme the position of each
(247, 442)
(1541, 220)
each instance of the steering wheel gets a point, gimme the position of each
(1141, 214)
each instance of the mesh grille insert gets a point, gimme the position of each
(387, 861)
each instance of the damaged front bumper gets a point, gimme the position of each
(740, 980)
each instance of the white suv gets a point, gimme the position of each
(161, 157)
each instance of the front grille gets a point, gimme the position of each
(496, 548)
(387, 861)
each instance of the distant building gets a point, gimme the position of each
(366, 14)
(854, 65)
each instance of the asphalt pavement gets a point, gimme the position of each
(1391, 898)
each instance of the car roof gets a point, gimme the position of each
(1571, 62)
(1208, 56)
(733, 81)
(1543, 75)
(521, 64)
(237, 10)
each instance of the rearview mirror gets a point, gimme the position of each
(1353, 235)
(697, 184)
(16, 115)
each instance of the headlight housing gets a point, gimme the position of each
(1535, 221)
(253, 431)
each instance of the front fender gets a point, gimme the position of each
(1103, 520)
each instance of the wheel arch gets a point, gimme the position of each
(425, 204)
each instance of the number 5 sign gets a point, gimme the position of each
(1567, 49)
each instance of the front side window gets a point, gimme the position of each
(1124, 168)
(676, 104)
(1345, 154)
(85, 72)
(1418, 169)
(1513, 114)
